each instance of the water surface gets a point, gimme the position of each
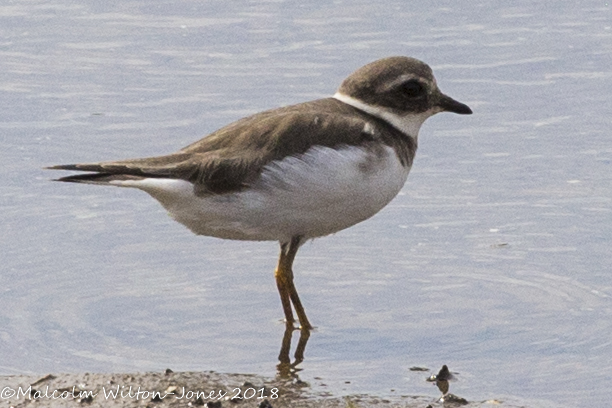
(494, 259)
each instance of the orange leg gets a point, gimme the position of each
(284, 282)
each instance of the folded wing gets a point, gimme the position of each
(232, 157)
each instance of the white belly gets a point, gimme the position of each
(318, 193)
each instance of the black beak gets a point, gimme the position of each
(448, 104)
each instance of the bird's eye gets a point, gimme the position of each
(412, 88)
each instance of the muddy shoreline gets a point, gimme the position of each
(184, 389)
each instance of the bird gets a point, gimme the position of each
(441, 379)
(293, 173)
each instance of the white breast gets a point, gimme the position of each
(318, 193)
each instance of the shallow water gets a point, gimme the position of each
(494, 259)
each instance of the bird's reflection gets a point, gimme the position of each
(442, 379)
(286, 369)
